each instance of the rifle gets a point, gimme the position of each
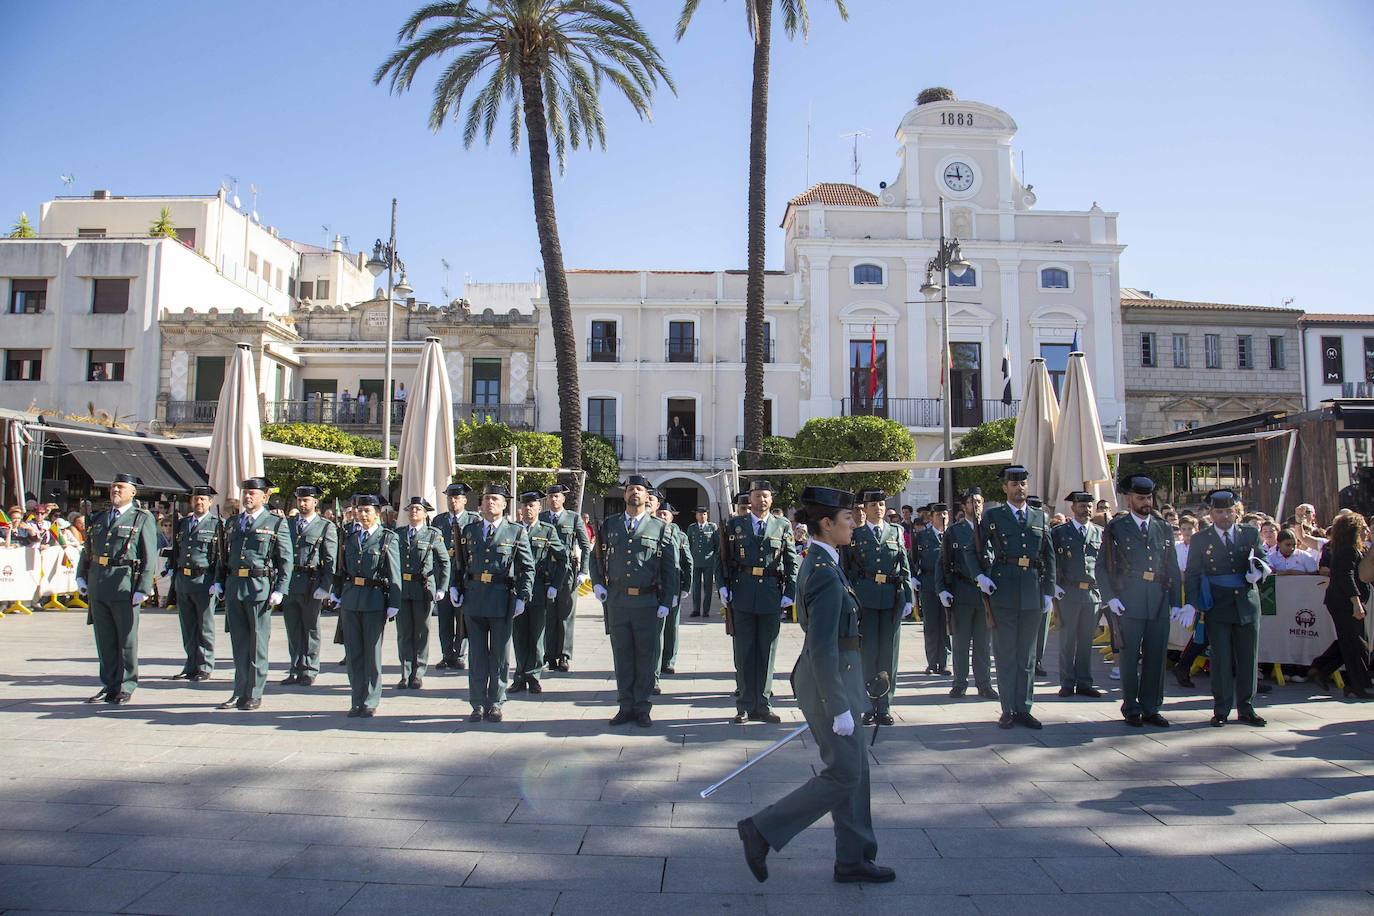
(727, 562)
(605, 571)
(987, 602)
(948, 569)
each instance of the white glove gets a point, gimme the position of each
(787, 602)
(1254, 575)
(1175, 613)
(946, 599)
(583, 578)
(274, 599)
(915, 583)
(333, 598)
(459, 602)
(320, 594)
(139, 598)
(519, 607)
(662, 611)
(552, 593)
(724, 595)
(453, 597)
(1049, 604)
(392, 612)
(906, 610)
(600, 592)
(1116, 606)
(217, 590)
(844, 724)
(1059, 592)
(1186, 615)
(81, 586)
(985, 585)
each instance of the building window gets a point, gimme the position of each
(90, 233)
(1277, 357)
(105, 366)
(1147, 350)
(321, 289)
(604, 346)
(1181, 425)
(1333, 361)
(1245, 352)
(601, 417)
(307, 289)
(28, 297)
(187, 237)
(252, 262)
(970, 278)
(1180, 351)
(868, 275)
(1056, 357)
(1211, 344)
(1054, 278)
(23, 365)
(769, 350)
(868, 376)
(1369, 359)
(486, 381)
(682, 344)
(111, 296)
(267, 273)
(279, 278)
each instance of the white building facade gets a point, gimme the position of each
(1337, 357)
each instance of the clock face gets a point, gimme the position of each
(958, 176)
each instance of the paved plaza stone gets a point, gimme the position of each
(170, 806)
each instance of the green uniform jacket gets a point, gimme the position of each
(1018, 558)
(1209, 556)
(878, 567)
(926, 549)
(828, 611)
(1075, 559)
(637, 570)
(549, 553)
(316, 555)
(685, 562)
(371, 571)
(573, 534)
(424, 564)
(128, 547)
(197, 555)
(257, 560)
(758, 571)
(962, 563)
(704, 542)
(1139, 571)
(452, 528)
(492, 574)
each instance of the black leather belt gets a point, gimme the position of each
(489, 579)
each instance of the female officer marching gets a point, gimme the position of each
(828, 681)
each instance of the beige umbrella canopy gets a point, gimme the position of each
(236, 440)
(1035, 428)
(425, 454)
(1080, 453)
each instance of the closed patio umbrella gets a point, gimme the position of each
(1036, 424)
(425, 453)
(1080, 453)
(236, 440)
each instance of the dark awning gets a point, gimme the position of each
(163, 467)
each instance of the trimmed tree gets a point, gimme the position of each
(337, 482)
(831, 440)
(163, 227)
(992, 436)
(23, 229)
(777, 452)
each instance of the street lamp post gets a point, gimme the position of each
(948, 259)
(384, 257)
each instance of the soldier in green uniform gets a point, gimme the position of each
(665, 512)
(493, 582)
(1143, 587)
(878, 567)
(1018, 564)
(424, 576)
(1225, 566)
(315, 549)
(758, 576)
(253, 580)
(634, 574)
(115, 573)
(452, 636)
(549, 554)
(197, 551)
(370, 573)
(574, 561)
(1041, 638)
(703, 540)
(1077, 544)
(829, 686)
(960, 567)
(927, 550)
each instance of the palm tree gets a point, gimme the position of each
(23, 229)
(546, 59)
(163, 227)
(760, 16)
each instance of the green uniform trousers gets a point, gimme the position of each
(1145, 643)
(1077, 626)
(196, 614)
(1041, 639)
(1013, 646)
(1235, 649)
(116, 642)
(971, 634)
(841, 790)
(559, 624)
(489, 665)
(527, 633)
(250, 627)
(936, 630)
(636, 650)
(363, 633)
(882, 632)
(412, 636)
(756, 644)
(671, 624)
(301, 614)
(451, 636)
(703, 587)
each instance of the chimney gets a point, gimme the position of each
(338, 243)
(100, 195)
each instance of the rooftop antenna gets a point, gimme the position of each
(444, 288)
(234, 191)
(254, 215)
(324, 227)
(1287, 301)
(67, 179)
(854, 135)
(808, 146)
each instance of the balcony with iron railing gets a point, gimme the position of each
(603, 349)
(926, 413)
(681, 448)
(616, 442)
(770, 349)
(682, 350)
(347, 413)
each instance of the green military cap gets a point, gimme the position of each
(421, 502)
(706, 509)
(936, 507)
(1136, 483)
(1079, 496)
(367, 499)
(1015, 472)
(203, 491)
(970, 493)
(457, 489)
(872, 496)
(1035, 502)
(1221, 499)
(495, 489)
(667, 507)
(741, 499)
(760, 484)
(256, 483)
(531, 496)
(828, 497)
(556, 488)
(309, 490)
(638, 480)
(133, 479)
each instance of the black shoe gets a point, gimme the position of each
(643, 720)
(740, 718)
(198, 677)
(1321, 678)
(183, 676)
(1218, 721)
(755, 848)
(534, 686)
(459, 664)
(670, 671)
(367, 712)
(1041, 672)
(402, 684)
(885, 718)
(230, 703)
(416, 682)
(1134, 720)
(494, 715)
(1088, 692)
(355, 712)
(864, 871)
(249, 704)
(475, 715)
(658, 691)
(289, 680)
(868, 718)
(1183, 679)
(518, 686)
(119, 699)
(696, 614)
(768, 716)
(988, 693)
(958, 692)
(1006, 720)
(341, 662)
(945, 671)
(929, 670)
(625, 715)
(306, 680)
(1066, 691)
(1354, 693)
(1029, 720)
(1156, 720)
(442, 665)
(98, 698)
(564, 664)
(1252, 718)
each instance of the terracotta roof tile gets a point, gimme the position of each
(1151, 303)
(835, 194)
(1354, 318)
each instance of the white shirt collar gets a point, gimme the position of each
(834, 554)
(368, 531)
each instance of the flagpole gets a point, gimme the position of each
(948, 399)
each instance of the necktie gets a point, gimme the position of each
(1145, 528)
(634, 522)
(1227, 538)
(300, 527)
(244, 523)
(486, 532)
(114, 514)
(758, 527)
(191, 528)
(362, 536)
(1020, 516)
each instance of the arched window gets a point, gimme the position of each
(970, 278)
(1054, 278)
(868, 275)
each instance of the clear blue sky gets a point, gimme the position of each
(1234, 138)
